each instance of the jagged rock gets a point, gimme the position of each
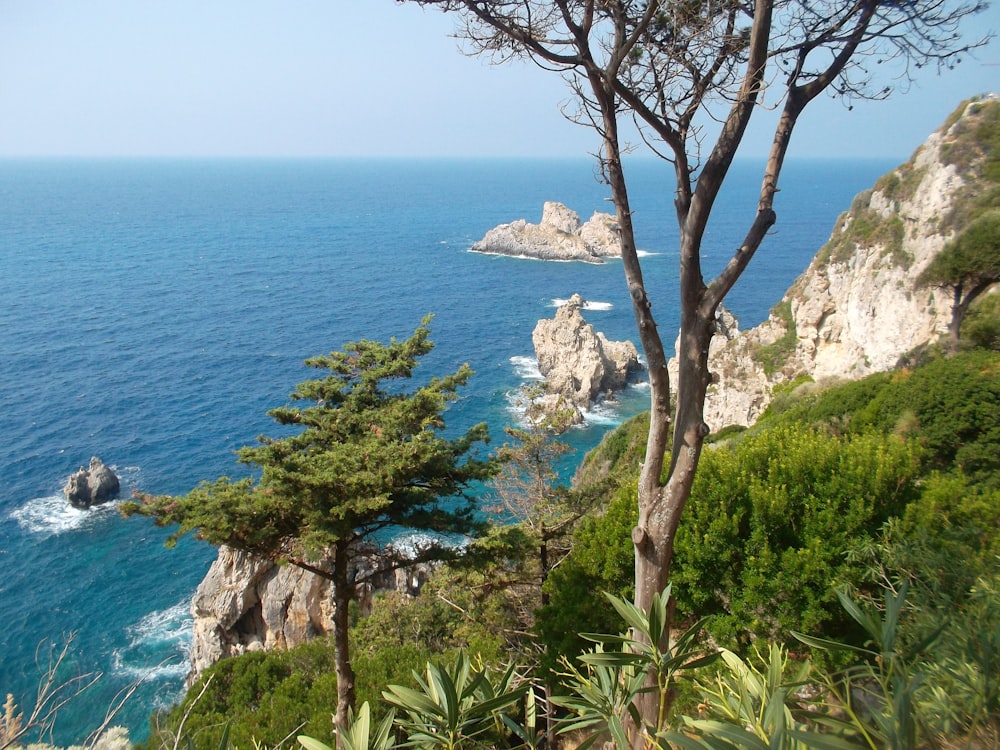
(857, 309)
(91, 486)
(245, 603)
(578, 363)
(559, 236)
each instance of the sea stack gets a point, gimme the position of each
(91, 486)
(559, 236)
(579, 363)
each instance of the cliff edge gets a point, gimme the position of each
(858, 307)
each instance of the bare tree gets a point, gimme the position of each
(54, 692)
(691, 74)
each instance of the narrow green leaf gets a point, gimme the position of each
(860, 616)
(632, 615)
(823, 741)
(615, 659)
(731, 733)
(683, 741)
(310, 743)
(411, 700)
(827, 645)
(617, 731)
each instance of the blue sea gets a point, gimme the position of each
(152, 311)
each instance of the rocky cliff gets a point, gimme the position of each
(858, 307)
(245, 603)
(577, 362)
(559, 236)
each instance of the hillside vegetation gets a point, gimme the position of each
(889, 484)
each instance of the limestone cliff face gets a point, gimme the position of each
(559, 236)
(578, 362)
(246, 604)
(858, 308)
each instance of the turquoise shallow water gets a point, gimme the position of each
(151, 312)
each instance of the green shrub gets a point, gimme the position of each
(257, 696)
(981, 326)
(950, 404)
(774, 356)
(265, 697)
(762, 541)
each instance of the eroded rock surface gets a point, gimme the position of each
(92, 485)
(559, 236)
(577, 362)
(858, 308)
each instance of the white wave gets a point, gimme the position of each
(587, 304)
(526, 368)
(414, 542)
(172, 625)
(163, 636)
(645, 253)
(52, 515)
(172, 669)
(525, 257)
(603, 413)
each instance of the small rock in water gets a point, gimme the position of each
(91, 486)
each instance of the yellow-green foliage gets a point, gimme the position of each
(982, 325)
(952, 405)
(775, 508)
(762, 541)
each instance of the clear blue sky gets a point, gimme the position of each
(340, 78)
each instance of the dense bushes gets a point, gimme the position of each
(258, 696)
(776, 510)
(951, 405)
(763, 539)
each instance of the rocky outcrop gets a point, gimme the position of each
(559, 236)
(577, 362)
(857, 309)
(91, 486)
(246, 603)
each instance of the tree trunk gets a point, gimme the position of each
(343, 592)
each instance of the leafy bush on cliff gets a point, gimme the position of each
(982, 325)
(763, 539)
(775, 510)
(257, 696)
(951, 405)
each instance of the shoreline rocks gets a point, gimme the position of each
(559, 236)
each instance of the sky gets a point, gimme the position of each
(344, 78)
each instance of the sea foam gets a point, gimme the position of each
(52, 514)
(158, 645)
(587, 304)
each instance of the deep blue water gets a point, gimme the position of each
(151, 312)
